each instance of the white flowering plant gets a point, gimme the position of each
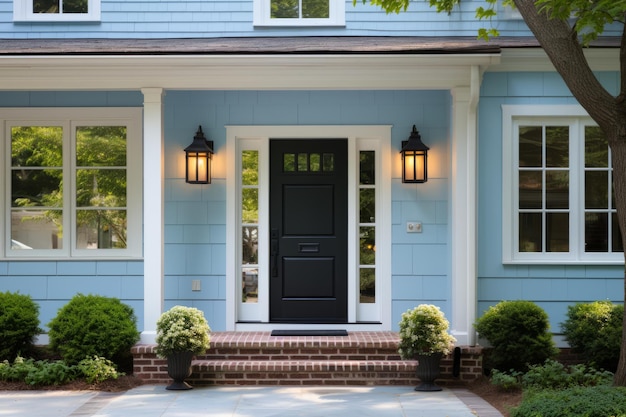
(182, 329)
(424, 331)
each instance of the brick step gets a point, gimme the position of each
(311, 372)
(257, 358)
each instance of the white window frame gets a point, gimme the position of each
(254, 316)
(576, 118)
(262, 16)
(23, 12)
(69, 118)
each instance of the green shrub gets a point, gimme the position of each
(554, 375)
(92, 325)
(19, 323)
(97, 369)
(507, 381)
(518, 333)
(595, 331)
(600, 401)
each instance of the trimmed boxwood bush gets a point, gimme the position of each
(518, 333)
(595, 331)
(600, 401)
(19, 324)
(93, 325)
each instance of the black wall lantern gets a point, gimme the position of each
(198, 159)
(414, 159)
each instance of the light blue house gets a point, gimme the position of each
(306, 222)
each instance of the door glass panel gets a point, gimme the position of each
(250, 168)
(367, 205)
(303, 164)
(250, 205)
(367, 245)
(367, 285)
(367, 168)
(315, 162)
(250, 245)
(329, 162)
(289, 162)
(250, 285)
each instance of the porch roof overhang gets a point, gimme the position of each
(245, 63)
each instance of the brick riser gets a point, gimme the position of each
(362, 358)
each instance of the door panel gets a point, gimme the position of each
(308, 231)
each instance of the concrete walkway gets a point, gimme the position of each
(156, 401)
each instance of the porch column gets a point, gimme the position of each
(463, 209)
(153, 211)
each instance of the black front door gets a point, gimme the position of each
(308, 231)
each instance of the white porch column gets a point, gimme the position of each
(153, 211)
(463, 188)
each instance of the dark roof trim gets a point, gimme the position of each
(270, 45)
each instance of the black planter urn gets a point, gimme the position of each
(427, 371)
(179, 369)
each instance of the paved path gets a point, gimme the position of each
(283, 401)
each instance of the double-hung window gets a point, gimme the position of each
(56, 10)
(72, 182)
(299, 12)
(558, 203)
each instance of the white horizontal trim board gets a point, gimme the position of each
(240, 72)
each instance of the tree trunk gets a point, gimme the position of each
(561, 44)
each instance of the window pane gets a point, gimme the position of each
(36, 229)
(42, 188)
(557, 189)
(250, 205)
(289, 162)
(284, 9)
(315, 9)
(250, 167)
(530, 232)
(250, 245)
(367, 243)
(101, 188)
(596, 148)
(98, 146)
(616, 234)
(557, 146)
(37, 146)
(315, 161)
(303, 162)
(46, 6)
(367, 205)
(328, 162)
(530, 190)
(250, 285)
(596, 189)
(530, 146)
(596, 232)
(100, 229)
(367, 285)
(557, 232)
(74, 6)
(367, 168)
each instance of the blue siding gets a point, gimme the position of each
(195, 215)
(553, 287)
(215, 18)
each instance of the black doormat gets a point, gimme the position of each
(309, 333)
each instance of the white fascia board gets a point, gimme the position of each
(535, 59)
(240, 72)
